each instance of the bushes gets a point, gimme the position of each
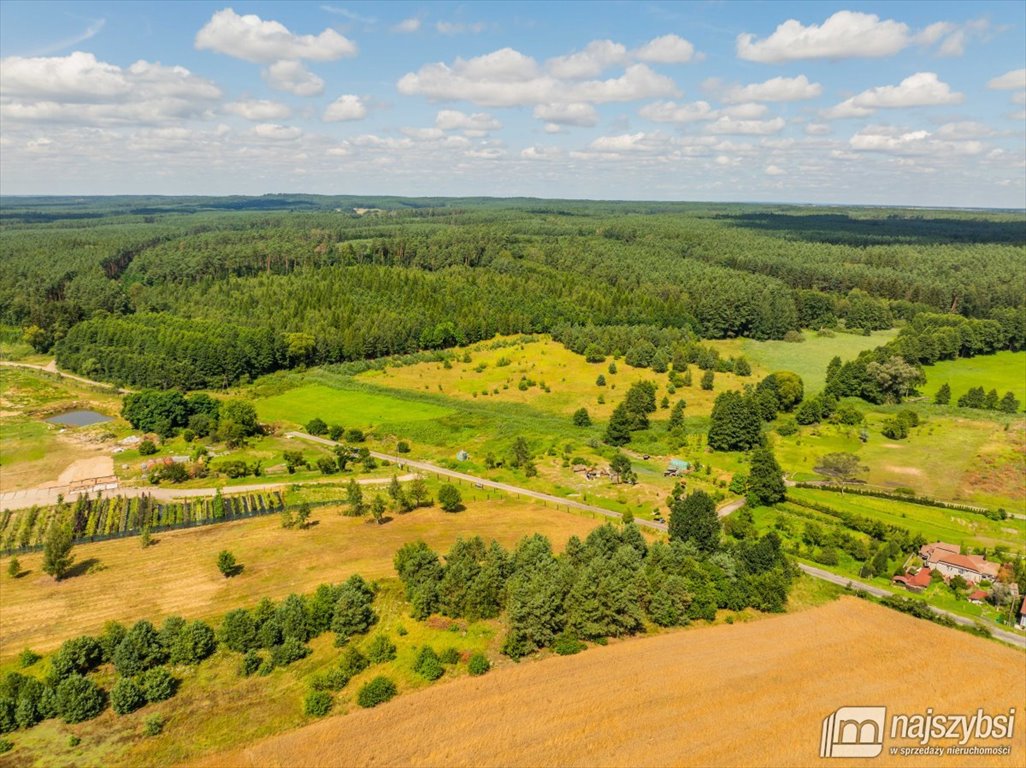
(126, 696)
(380, 650)
(288, 652)
(567, 644)
(427, 664)
(77, 656)
(317, 703)
(377, 691)
(250, 663)
(157, 684)
(478, 664)
(449, 656)
(79, 699)
(147, 448)
(154, 725)
(352, 662)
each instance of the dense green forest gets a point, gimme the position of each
(203, 292)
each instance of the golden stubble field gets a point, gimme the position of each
(743, 695)
(178, 574)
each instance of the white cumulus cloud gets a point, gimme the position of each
(508, 78)
(258, 109)
(776, 89)
(275, 132)
(846, 34)
(293, 77)
(577, 113)
(595, 59)
(407, 26)
(253, 39)
(479, 122)
(668, 49)
(344, 108)
(1010, 81)
(923, 89)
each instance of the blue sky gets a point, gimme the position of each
(877, 103)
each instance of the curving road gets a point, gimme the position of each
(844, 581)
(722, 511)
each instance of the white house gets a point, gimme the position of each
(947, 559)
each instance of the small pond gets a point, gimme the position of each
(78, 418)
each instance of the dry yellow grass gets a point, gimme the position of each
(570, 379)
(752, 694)
(178, 575)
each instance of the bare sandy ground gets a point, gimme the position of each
(87, 469)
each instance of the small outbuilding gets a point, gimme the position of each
(462, 456)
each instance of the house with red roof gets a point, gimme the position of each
(977, 596)
(916, 582)
(947, 559)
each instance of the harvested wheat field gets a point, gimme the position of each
(749, 695)
(120, 581)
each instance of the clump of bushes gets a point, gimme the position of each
(377, 691)
(478, 664)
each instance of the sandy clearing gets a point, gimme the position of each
(913, 471)
(87, 469)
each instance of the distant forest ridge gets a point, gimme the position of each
(205, 291)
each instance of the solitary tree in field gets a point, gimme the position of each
(449, 498)
(14, 568)
(943, 396)
(581, 418)
(354, 498)
(1009, 403)
(303, 515)
(707, 379)
(57, 557)
(377, 509)
(419, 492)
(843, 467)
(676, 423)
(226, 563)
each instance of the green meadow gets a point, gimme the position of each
(351, 408)
(1003, 371)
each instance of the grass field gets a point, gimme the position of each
(569, 377)
(935, 523)
(178, 575)
(678, 699)
(337, 406)
(952, 457)
(808, 359)
(1004, 371)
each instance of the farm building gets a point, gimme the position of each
(947, 559)
(462, 456)
(916, 582)
(978, 596)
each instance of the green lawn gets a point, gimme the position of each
(1004, 371)
(351, 408)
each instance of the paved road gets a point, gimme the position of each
(844, 581)
(48, 496)
(51, 367)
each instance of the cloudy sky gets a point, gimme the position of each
(878, 103)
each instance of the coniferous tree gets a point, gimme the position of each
(693, 518)
(765, 480)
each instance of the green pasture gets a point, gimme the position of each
(934, 523)
(808, 358)
(1004, 371)
(351, 408)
